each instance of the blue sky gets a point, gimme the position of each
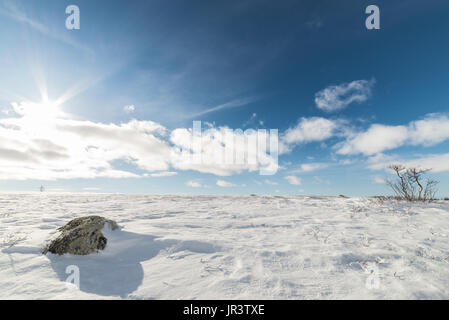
(346, 101)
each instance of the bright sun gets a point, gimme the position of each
(40, 112)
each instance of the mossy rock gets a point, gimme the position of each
(81, 236)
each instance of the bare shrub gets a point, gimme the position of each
(411, 184)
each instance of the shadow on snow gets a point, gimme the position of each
(117, 271)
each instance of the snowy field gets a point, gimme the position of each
(236, 247)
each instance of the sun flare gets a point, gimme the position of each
(39, 112)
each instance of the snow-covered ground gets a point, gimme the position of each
(235, 247)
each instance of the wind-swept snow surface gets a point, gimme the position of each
(240, 247)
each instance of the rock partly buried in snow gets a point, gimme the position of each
(81, 236)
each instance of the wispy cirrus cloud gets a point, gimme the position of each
(228, 105)
(338, 97)
(12, 11)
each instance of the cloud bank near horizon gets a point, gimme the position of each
(57, 146)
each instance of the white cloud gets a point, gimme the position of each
(41, 142)
(273, 183)
(376, 139)
(435, 162)
(164, 174)
(224, 184)
(38, 144)
(293, 180)
(338, 97)
(129, 109)
(309, 130)
(431, 130)
(378, 179)
(193, 184)
(309, 167)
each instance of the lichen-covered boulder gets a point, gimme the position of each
(81, 236)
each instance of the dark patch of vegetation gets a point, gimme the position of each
(411, 185)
